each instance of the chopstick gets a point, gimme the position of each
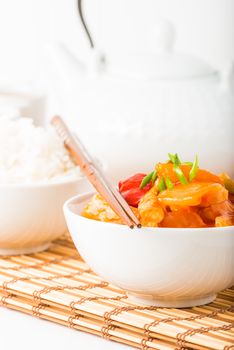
(94, 174)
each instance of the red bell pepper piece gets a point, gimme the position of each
(130, 189)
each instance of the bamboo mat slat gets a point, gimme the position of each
(58, 286)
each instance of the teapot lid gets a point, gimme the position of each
(162, 63)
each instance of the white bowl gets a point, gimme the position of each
(166, 267)
(31, 215)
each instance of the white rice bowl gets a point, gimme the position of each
(37, 175)
(32, 154)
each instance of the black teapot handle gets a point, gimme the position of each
(80, 11)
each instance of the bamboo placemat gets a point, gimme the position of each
(57, 285)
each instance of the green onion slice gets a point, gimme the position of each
(194, 169)
(154, 177)
(169, 183)
(188, 163)
(161, 185)
(146, 180)
(171, 157)
(180, 175)
(174, 158)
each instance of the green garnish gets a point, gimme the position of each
(154, 177)
(146, 180)
(169, 183)
(174, 158)
(194, 169)
(161, 185)
(166, 183)
(188, 163)
(150, 177)
(180, 175)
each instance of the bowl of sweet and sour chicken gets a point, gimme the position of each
(182, 256)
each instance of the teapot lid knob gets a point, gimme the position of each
(164, 36)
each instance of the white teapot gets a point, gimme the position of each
(131, 110)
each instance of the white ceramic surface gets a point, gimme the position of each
(159, 266)
(148, 104)
(31, 215)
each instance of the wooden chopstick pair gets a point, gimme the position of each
(94, 174)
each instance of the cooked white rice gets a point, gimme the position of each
(32, 154)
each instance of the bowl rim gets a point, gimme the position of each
(182, 230)
(43, 184)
